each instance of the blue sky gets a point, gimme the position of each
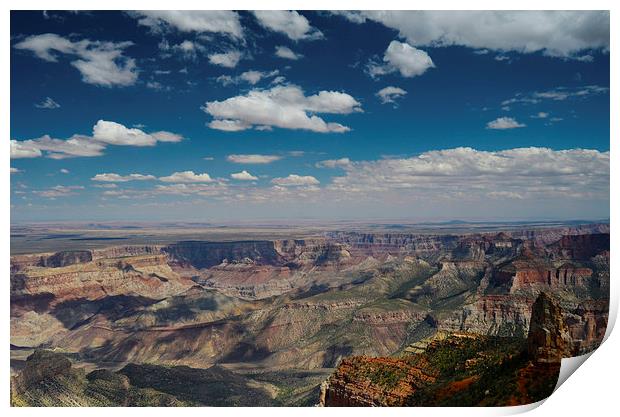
(280, 115)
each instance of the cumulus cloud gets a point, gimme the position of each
(287, 53)
(540, 115)
(24, 149)
(100, 63)
(290, 23)
(390, 94)
(243, 176)
(186, 177)
(228, 59)
(104, 133)
(253, 159)
(112, 177)
(503, 123)
(48, 103)
(470, 173)
(76, 145)
(564, 34)
(334, 163)
(285, 107)
(403, 58)
(15, 170)
(64, 171)
(212, 21)
(294, 180)
(116, 134)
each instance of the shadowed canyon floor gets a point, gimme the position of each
(265, 321)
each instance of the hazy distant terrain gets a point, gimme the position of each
(52, 237)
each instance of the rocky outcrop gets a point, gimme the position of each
(580, 247)
(459, 368)
(524, 274)
(147, 276)
(278, 253)
(208, 254)
(548, 339)
(66, 258)
(384, 244)
(362, 381)
(42, 365)
(503, 315)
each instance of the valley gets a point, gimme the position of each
(259, 318)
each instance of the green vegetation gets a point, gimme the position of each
(485, 371)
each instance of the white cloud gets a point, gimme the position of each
(157, 86)
(540, 115)
(188, 49)
(104, 133)
(253, 159)
(243, 176)
(191, 189)
(287, 53)
(163, 136)
(100, 63)
(502, 123)
(556, 94)
(290, 23)
(564, 34)
(228, 125)
(469, 173)
(64, 171)
(295, 180)
(24, 149)
(281, 106)
(112, 177)
(213, 21)
(76, 145)
(48, 103)
(58, 191)
(390, 94)
(334, 163)
(404, 58)
(251, 77)
(562, 93)
(187, 177)
(228, 59)
(15, 170)
(117, 134)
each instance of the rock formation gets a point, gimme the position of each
(548, 339)
(303, 306)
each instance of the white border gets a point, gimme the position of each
(592, 391)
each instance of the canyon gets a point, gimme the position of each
(274, 318)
